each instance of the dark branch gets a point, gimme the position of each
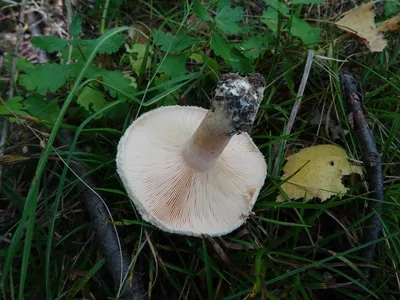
(354, 100)
(106, 235)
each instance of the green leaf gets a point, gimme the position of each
(114, 79)
(49, 43)
(47, 77)
(227, 18)
(254, 47)
(220, 47)
(392, 7)
(41, 108)
(92, 100)
(234, 59)
(22, 63)
(308, 34)
(13, 105)
(240, 64)
(110, 46)
(279, 6)
(174, 65)
(270, 17)
(201, 12)
(171, 43)
(76, 26)
(211, 64)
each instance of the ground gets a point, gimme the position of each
(104, 63)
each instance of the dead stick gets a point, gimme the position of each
(105, 233)
(371, 159)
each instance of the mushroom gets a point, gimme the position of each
(194, 171)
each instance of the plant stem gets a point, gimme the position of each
(104, 16)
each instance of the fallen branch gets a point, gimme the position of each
(371, 159)
(107, 237)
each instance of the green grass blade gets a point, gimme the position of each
(208, 271)
(81, 283)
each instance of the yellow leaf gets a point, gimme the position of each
(317, 172)
(360, 22)
(391, 24)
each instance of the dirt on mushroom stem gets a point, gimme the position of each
(233, 111)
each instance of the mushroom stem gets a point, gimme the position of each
(233, 111)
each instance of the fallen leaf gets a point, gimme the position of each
(316, 172)
(139, 33)
(360, 22)
(391, 24)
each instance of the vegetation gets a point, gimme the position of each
(114, 60)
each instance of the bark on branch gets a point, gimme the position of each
(354, 100)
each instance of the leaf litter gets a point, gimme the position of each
(316, 172)
(360, 22)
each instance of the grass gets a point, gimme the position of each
(289, 250)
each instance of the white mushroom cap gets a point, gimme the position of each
(177, 198)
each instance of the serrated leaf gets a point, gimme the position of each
(316, 171)
(309, 1)
(22, 63)
(279, 6)
(92, 100)
(227, 18)
(270, 17)
(13, 106)
(76, 26)
(171, 43)
(174, 65)
(219, 46)
(41, 108)
(114, 79)
(200, 11)
(310, 35)
(254, 47)
(49, 43)
(48, 77)
(110, 46)
(231, 56)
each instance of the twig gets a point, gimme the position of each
(106, 234)
(300, 92)
(13, 70)
(372, 162)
